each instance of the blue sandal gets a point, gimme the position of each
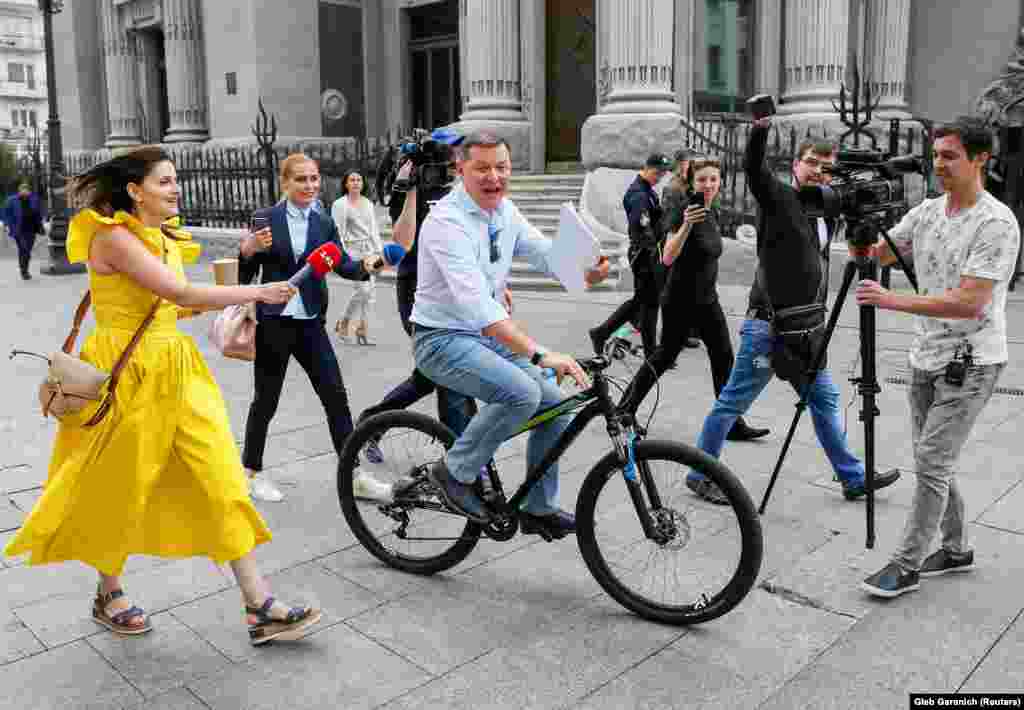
(123, 622)
(267, 628)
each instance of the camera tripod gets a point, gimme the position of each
(862, 266)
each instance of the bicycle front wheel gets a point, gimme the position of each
(415, 532)
(705, 557)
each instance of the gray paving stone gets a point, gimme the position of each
(335, 668)
(168, 657)
(826, 688)
(579, 654)
(669, 681)
(448, 623)
(765, 640)
(180, 699)
(10, 515)
(16, 639)
(220, 618)
(1000, 671)
(953, 619)
(357, 565)
(59, 620)
(1007, 512)
(72, 676)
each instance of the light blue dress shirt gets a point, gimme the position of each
(298, 230)
(458, 287)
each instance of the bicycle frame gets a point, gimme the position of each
(593, 402)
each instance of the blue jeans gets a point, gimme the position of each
(512, 391)
(750, 374)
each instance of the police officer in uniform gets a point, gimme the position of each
(646, 235)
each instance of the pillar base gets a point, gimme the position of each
(624, 140)
(187, 135)
(515, 133)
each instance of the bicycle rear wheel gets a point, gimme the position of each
(414, 533)
(709, 556)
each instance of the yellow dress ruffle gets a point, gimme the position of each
(161, 474)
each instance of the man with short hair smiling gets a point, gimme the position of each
(964, 247)
(465, 340)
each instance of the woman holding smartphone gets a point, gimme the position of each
(690, 299)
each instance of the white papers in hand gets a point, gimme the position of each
(574, 251)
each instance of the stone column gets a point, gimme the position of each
(768, 45)
(638, 113)
(120, 64)
(886, 38)
(186, 80)
(491, 35)
(814, 54)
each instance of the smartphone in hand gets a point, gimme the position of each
(761, 106)
(697, 200)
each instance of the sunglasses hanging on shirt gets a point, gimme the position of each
(492, 232)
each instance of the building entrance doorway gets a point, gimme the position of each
(570, 42)
(434, 64)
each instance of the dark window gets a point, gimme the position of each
(231, 83)
(16, 72)
(30, 76)
(32, 118)
(14, 118)
(715, 64)
(434, 20)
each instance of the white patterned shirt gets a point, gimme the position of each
(980, 242)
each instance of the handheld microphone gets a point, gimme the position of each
(324, 259)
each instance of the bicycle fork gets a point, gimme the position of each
(638, 479)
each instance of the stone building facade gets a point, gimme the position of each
(602, 82)
(22, 75)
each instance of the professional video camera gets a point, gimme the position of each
(864, 184)
(430, 154)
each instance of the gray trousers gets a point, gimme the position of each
(942, 419)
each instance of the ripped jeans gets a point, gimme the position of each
(750, 374)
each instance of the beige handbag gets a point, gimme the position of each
(233, 332)
(72, 383)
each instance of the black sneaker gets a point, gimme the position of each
(943, 561)
(707, 490)
(459, 496)
(551, 527)
(891, 581)
(853, 491)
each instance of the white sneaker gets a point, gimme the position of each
(262, 488)
(367, 487)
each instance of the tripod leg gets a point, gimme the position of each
(868, 386)
(848, 275)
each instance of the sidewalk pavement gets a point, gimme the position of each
(522, 623)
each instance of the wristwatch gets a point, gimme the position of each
(537, 356)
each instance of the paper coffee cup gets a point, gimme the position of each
(225, 272)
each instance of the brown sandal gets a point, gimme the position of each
(123, 622)
(267, 628)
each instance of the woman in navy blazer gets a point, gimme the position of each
(289, 232)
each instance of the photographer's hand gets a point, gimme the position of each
(872, 293)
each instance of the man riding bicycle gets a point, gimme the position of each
(464, 339)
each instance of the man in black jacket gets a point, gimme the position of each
(792, 251)
(646, 233)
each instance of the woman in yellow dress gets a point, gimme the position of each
(160, 475)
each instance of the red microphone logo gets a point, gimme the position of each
(318, 263)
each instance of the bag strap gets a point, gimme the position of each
(83, 308)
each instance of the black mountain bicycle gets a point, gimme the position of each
(653, 546)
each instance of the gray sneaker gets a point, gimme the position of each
(943, 561)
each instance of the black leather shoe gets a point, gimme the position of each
(597, 340)
(551, 527)
(459, 496)
(853, 491)
(741, 431)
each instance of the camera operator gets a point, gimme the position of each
(792, 252)
(964, 246)
(408, 211)
(646, 233)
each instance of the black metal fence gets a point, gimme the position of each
(221, 186)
